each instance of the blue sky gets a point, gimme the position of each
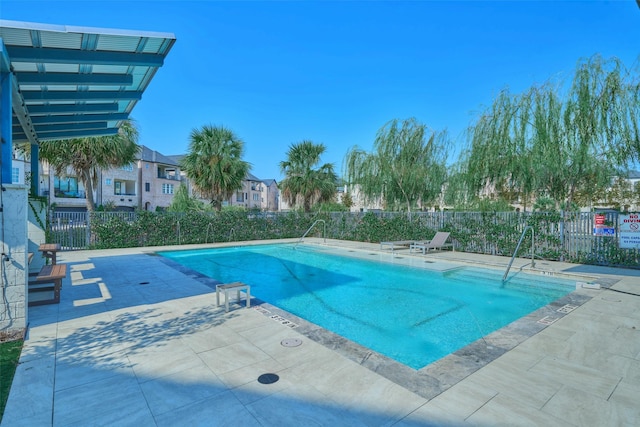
(277, 73)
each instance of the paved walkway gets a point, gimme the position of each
(137, 342)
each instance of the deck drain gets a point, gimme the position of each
(291, 342)
(268, 378)
(143, 283)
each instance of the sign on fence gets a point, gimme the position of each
(629, 231)
(600, 227)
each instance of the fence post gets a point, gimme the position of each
(88, 230)
(562, 239)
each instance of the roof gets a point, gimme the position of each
(633, 174)
(149, 155)
(176, 157)
(74, 82)
(252, 177)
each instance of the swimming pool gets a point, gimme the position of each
(412, 315)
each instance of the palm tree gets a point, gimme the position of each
(86, 156)
(214, 163)
(303, 185)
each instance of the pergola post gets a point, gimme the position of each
(6, 82)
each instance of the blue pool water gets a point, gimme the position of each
(409, 314)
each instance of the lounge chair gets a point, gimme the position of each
(438, 242)
(397, 244)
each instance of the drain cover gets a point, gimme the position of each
(291, 342)
(268, 378)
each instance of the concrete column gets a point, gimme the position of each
(14, 265)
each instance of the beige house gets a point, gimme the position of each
(118, 187)
(257, 194)
(158, 180)
(66, 192)
(149, 184)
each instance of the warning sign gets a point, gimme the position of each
(600, 228)
(629, 231)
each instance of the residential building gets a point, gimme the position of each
(66, 192)
(158, 180)
(257, 194)
(118, 187)
(360, 203)
(149, 183)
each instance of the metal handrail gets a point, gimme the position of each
(324, 231)
(533, 241)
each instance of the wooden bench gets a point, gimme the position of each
(227, 288)
(49, 250)
(48, 279)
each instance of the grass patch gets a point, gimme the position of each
(9, 355)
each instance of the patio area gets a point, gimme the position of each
(137, 341)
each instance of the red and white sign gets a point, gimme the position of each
(600, 228)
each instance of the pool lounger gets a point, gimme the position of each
(438, 242)
(397, 244)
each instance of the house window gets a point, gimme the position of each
(256, 197)
(128, 168)
(15, 175)
(239, 197)
(147, 187)
(68, 185)
(118, 188)
(167, 188)
(107, 181)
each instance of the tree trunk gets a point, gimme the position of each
(88, 189)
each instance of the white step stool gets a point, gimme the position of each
(227, 288)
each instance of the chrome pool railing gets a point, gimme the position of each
(533, 243)
(324, 231)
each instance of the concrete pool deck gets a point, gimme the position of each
(135, 341)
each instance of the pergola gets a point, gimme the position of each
(61, 82)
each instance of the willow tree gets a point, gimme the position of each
(87, 156)
(601, 124)
(214, 163)
(542, 144)
(307, 182)
(498, 161)
(407, 166)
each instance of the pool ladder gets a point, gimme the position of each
(533, 243)
(324, 231)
